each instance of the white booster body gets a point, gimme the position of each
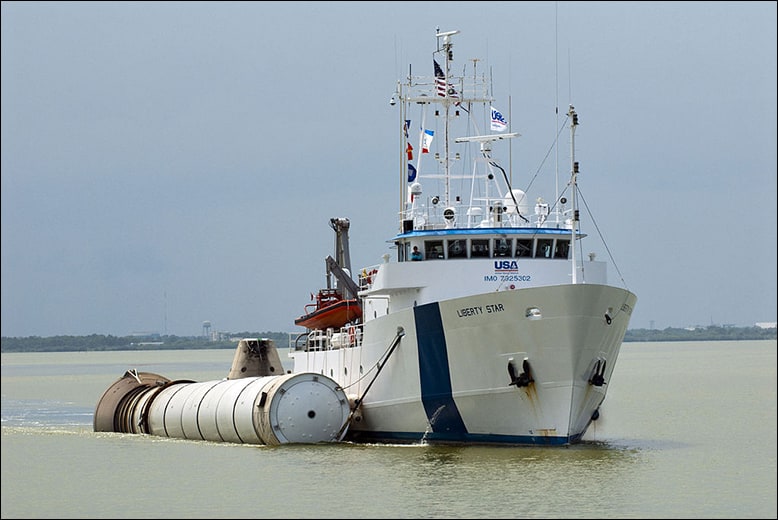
(249, 407)
(291, 408)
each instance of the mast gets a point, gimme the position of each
(398, 93)
(449, 56)
(574, 185)
(442, 93)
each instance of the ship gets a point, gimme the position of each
(485, 323)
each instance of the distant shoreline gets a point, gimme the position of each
(98, 342)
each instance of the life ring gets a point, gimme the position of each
(370, 275)
(352, 335)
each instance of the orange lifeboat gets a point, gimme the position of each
(329, 310)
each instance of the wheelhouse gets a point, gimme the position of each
(502, 243)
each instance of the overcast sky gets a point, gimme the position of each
(164, 164)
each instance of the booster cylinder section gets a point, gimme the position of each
(262, 409)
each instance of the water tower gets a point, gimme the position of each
(206, 329)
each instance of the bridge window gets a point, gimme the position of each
(562, 248)
(524, 247)
(502, 247)
(433, 249)
(479, 248)
(545, 247)
(457, 249)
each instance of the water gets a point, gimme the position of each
(688, 430)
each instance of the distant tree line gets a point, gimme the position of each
(711, 333)
(99, 342)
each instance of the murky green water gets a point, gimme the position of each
(687, 431)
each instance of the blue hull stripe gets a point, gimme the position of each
(434, 375)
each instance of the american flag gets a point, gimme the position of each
(440, 83)
(440, 80)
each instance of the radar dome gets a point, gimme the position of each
(521, 198)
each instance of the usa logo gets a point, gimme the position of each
(506, 266)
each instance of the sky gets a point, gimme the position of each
(167, 164)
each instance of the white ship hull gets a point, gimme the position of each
(448, 379)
